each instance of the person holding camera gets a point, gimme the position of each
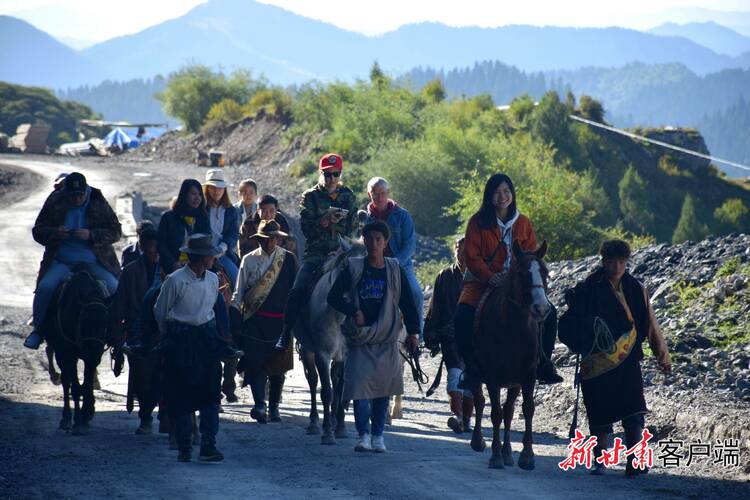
(327, 212)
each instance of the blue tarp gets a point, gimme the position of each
(119, 138)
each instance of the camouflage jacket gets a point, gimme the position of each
(315, 204)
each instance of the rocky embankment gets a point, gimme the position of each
(701, 296)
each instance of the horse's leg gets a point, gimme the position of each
(323, 363)
(87, 390)
(338, 404)
(196, 432)
(311, 374)
(508, 410)
(526, 460)
(398, 410)
(496, 460)
(54, 377)
(79, 425)
(477, 440)
(66, 422)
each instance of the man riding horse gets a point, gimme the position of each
(327, 211)
(77, 228)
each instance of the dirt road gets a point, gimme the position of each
(424, 459)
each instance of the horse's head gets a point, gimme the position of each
(87, 297)
(529, 280)
(352, 248)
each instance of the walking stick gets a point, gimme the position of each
(577, 385)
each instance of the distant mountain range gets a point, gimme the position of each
(712, 35)
(289, 48)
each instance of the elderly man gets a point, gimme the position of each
(265, 278)
(77, 228)
(185, 313)
(268, 210)
(611, 380)
(403, 241)
(247, 205)
(327, 211)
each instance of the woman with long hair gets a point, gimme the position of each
(224, 220)
(186, 217)
(489, 239)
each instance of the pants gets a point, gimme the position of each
(454, 375)
(209, 426)
(632, 425)
(367, 410)
(258, 388)
(230, 371)
(55, 275)
(299, 293)
(418, 296)
(230, 268)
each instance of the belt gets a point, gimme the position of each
(267, 314)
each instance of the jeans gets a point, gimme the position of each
(230, 268)
(209, 427)
(55, 275)
(375, 410)
(418, 296)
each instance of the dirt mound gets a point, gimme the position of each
(251, 141)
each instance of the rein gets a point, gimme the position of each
(419, 376)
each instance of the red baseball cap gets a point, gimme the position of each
(331, 161)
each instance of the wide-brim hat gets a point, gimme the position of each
(269, 229)
(201, 244)
(215, 178)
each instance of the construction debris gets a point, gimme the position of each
(30, 138)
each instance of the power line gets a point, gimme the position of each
(658, 143)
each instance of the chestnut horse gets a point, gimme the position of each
(506, 342)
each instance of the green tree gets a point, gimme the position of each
(377, 77)
(590, 108)
(434, 91)
(635, 202)
(689, 226)
(223, 112)
(731, 216)
(193, 90)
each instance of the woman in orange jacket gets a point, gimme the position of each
(489, 237)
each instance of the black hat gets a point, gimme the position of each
(201, 244)
(75, 183)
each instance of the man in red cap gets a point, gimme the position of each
(327, 211)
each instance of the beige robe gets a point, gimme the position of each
(374, 367)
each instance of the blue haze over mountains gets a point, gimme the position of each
(673, 74)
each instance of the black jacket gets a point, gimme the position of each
(172, 231)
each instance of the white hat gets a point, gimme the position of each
(215, 177)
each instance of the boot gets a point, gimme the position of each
(468, 408)
(456, 422)
(285, 339)
(276, 386)
(632, 436)
(33, 341)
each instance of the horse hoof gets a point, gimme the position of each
(80, 430)
(313, 429)
(508, 457)
(496, 462)
(55, 378)
(478, 443)
(66, 424)
(341, 433)
(327, 439)
(526, 461)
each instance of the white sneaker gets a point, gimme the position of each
(378, 444)
(365, 443)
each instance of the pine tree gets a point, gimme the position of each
(689, 227)
(635, 202)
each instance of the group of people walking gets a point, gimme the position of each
(220, 282)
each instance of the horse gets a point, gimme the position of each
(76, 328)
(506, 342)
(323, 346)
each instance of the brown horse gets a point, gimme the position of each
(506, 342)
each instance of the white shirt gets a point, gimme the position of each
(252, 268)
(186, 298)
(216, 216)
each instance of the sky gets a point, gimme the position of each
(87, 22)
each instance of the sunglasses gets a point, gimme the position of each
(331, 174)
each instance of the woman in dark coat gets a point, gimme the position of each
(188, 216)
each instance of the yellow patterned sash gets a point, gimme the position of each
(599, 363)
(255, 296)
